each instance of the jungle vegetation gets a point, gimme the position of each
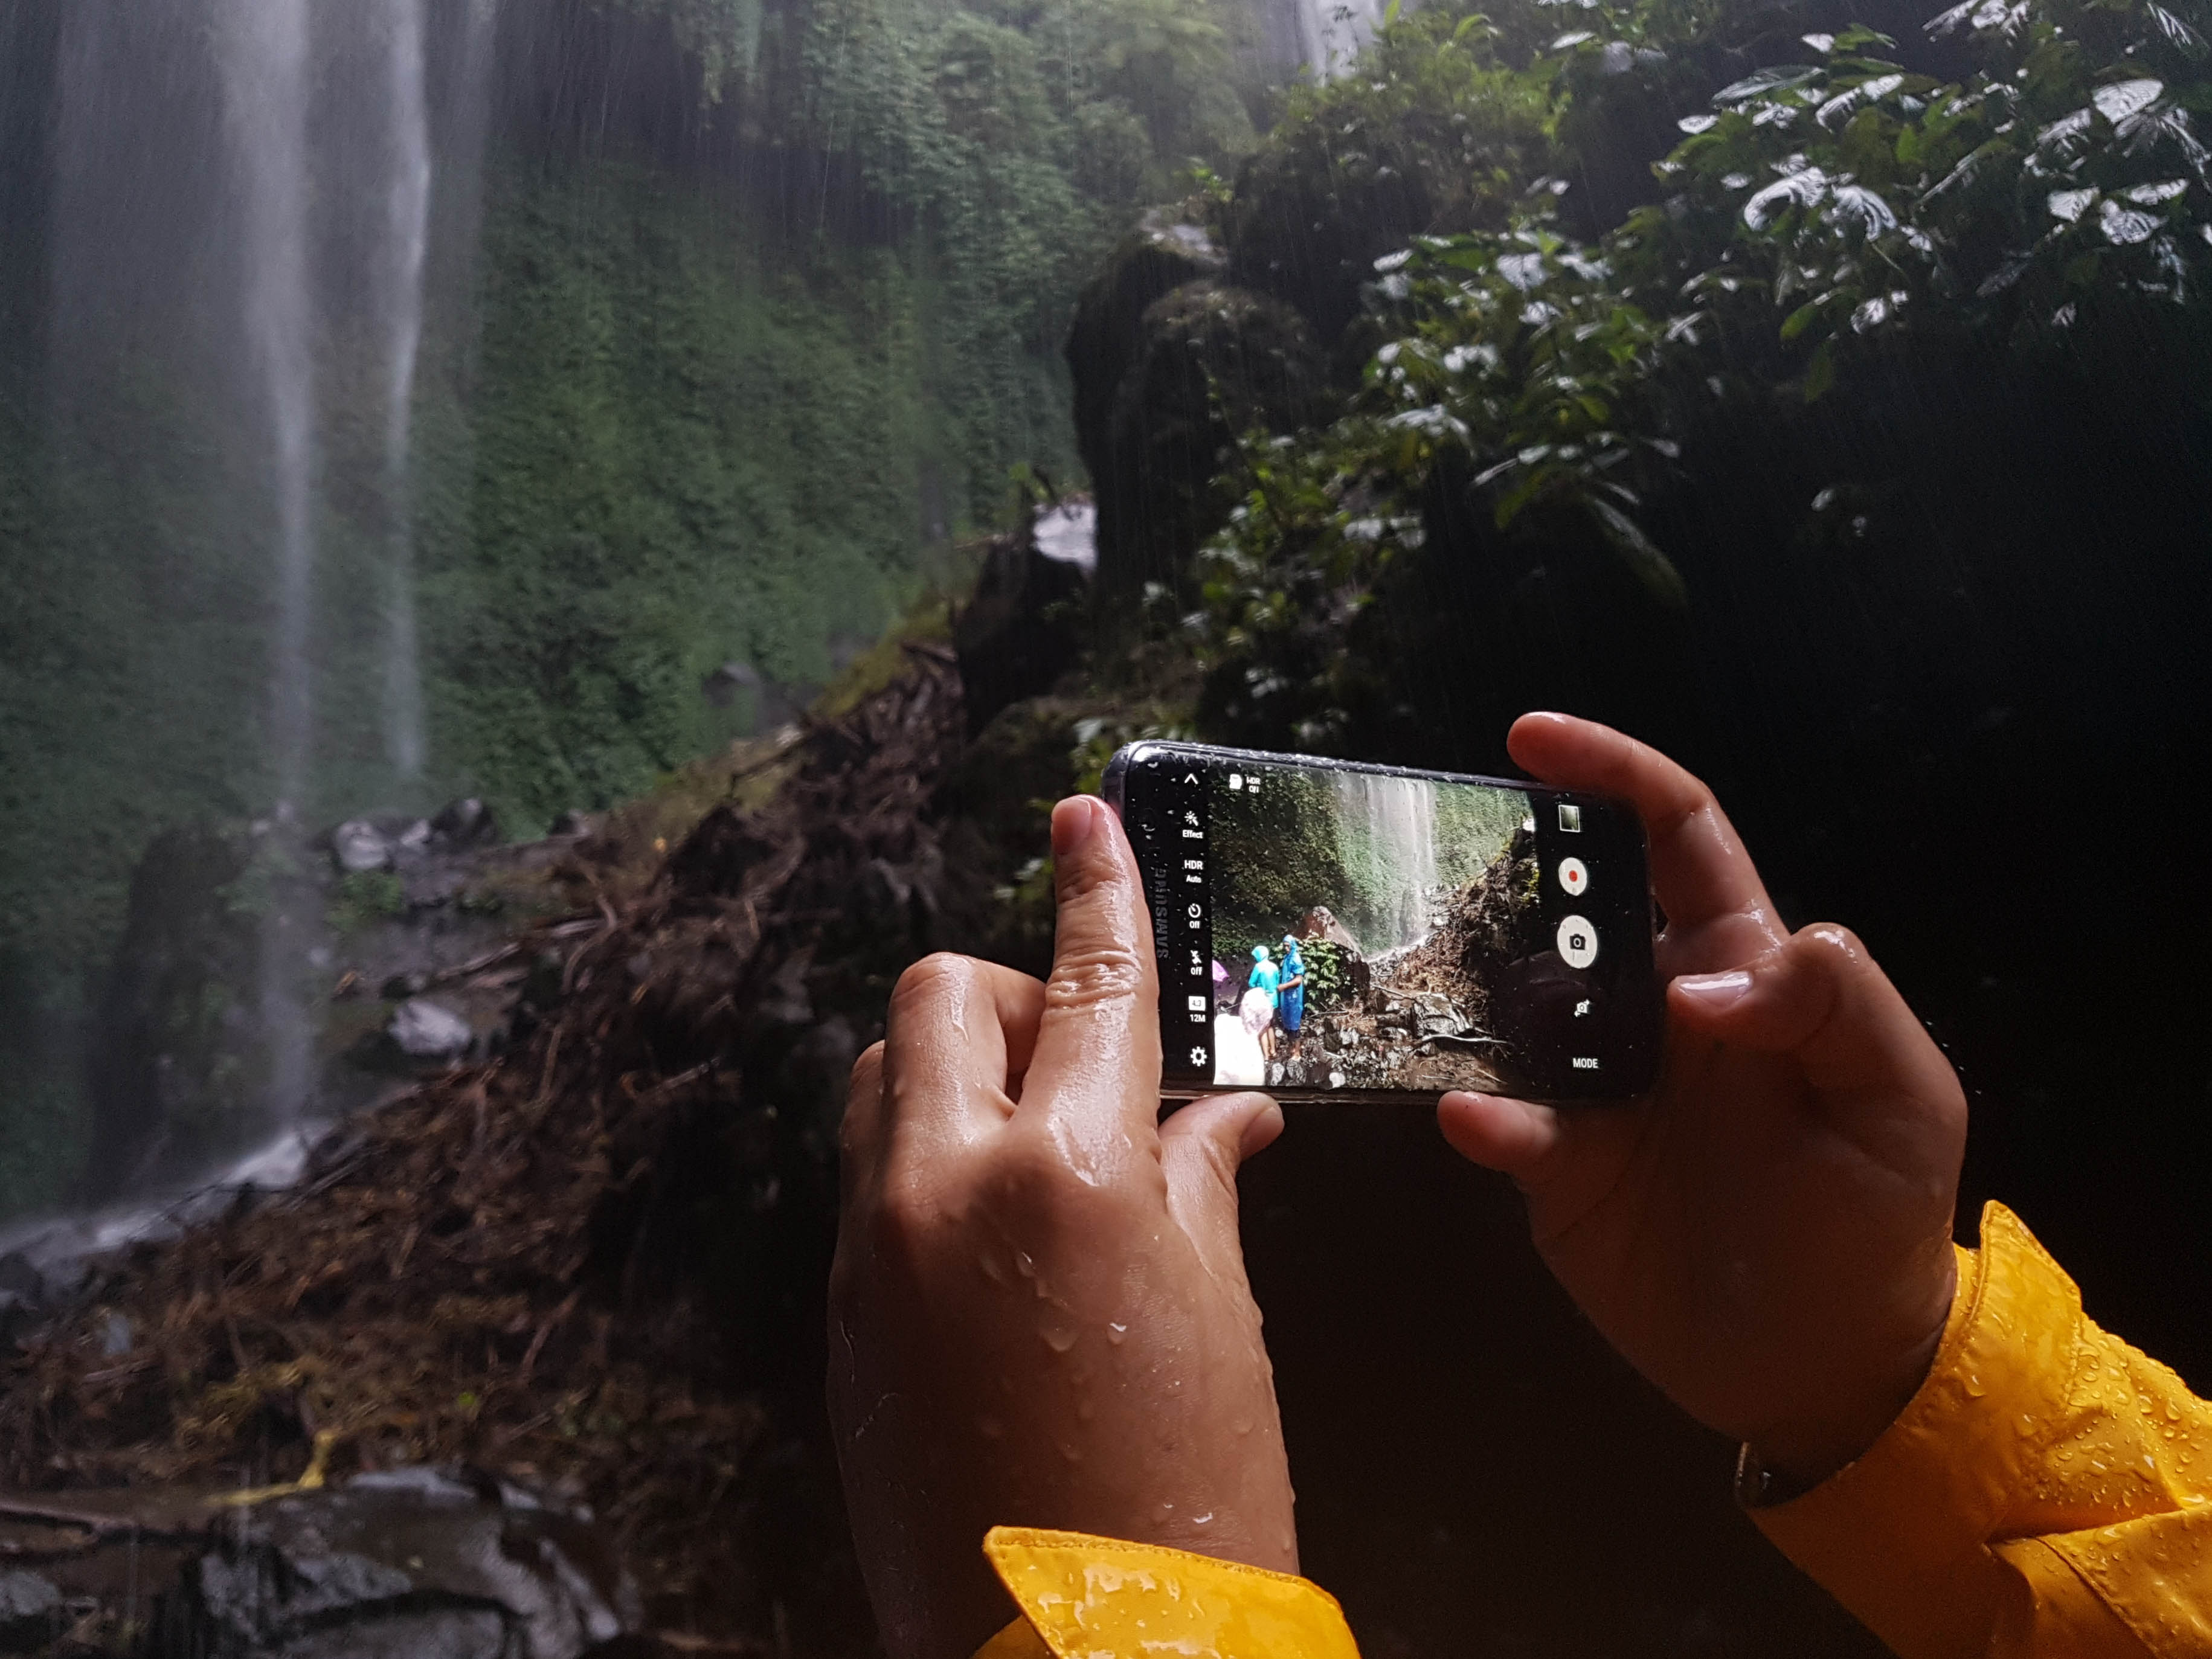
(1697, 294)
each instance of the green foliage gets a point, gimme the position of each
(1860, 199)
(1432, 133)
(1812, 219)
(365, 896)
(686, 452)
(1329, 975)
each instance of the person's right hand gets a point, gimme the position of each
(1768, 1237)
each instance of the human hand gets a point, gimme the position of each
(1038, 1312)
(1768, 1237)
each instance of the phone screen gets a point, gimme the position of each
(1324, 927)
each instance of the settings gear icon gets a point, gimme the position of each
(1198, 1056)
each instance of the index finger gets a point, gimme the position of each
(1699, 869)
(1097, 1067)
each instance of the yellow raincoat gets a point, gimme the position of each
(2047, 1493)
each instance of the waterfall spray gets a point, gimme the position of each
(264, 49)
(405, 249)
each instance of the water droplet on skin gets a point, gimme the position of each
(1059, 1338)
(1026, 1264)
(1071, 1452)
(1974, 1384)
(992, 1270)
(1242, 1425)
(1201, 1520)
(1117, 1334)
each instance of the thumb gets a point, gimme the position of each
(1201, 1148)
(1819, 998)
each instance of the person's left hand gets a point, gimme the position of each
(1038, 1313)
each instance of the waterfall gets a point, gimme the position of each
(263, 55)
(263, 222)
(405, 252)
(1387, 839)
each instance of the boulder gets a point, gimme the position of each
(424, 1029)
(464, 823)
(1022, 627)
(30, 1611)
(1210, 362)
(1159, 256)
(358, 847)
(176, 1039)
(415, 1563)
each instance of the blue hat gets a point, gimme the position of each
(1259, 953)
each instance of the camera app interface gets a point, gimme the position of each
(1327, 929)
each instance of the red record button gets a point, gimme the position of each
(1574, 877)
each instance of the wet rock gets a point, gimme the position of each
(429, 1564)
(1023, 629)
(1211, 362)
(465, 823)
(1159, 256)
(1068, 533)
(30, 1611)
(424, 1029)
(358, 847)
(176, 1030)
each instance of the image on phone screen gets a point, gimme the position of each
(1328, 928)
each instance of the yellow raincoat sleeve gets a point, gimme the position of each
(2045, 1496)
(2044, 1493)
(1098, 1598)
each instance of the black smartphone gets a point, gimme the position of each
(1326, 928)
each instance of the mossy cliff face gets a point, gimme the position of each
(739, 317)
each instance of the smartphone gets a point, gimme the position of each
(1329, 929)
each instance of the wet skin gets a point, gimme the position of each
(1768, 1237)
(1039, 1312)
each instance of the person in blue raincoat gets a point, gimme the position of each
(1262, 1000)
(1293, 989)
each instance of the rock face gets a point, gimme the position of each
(1169, 364)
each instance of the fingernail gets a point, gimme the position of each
(1715, 991)
(1072, 821)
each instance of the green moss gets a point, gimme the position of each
(365, 896)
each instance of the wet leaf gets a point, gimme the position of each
(2117, 102)
(1780, 77)
(1821, 372)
